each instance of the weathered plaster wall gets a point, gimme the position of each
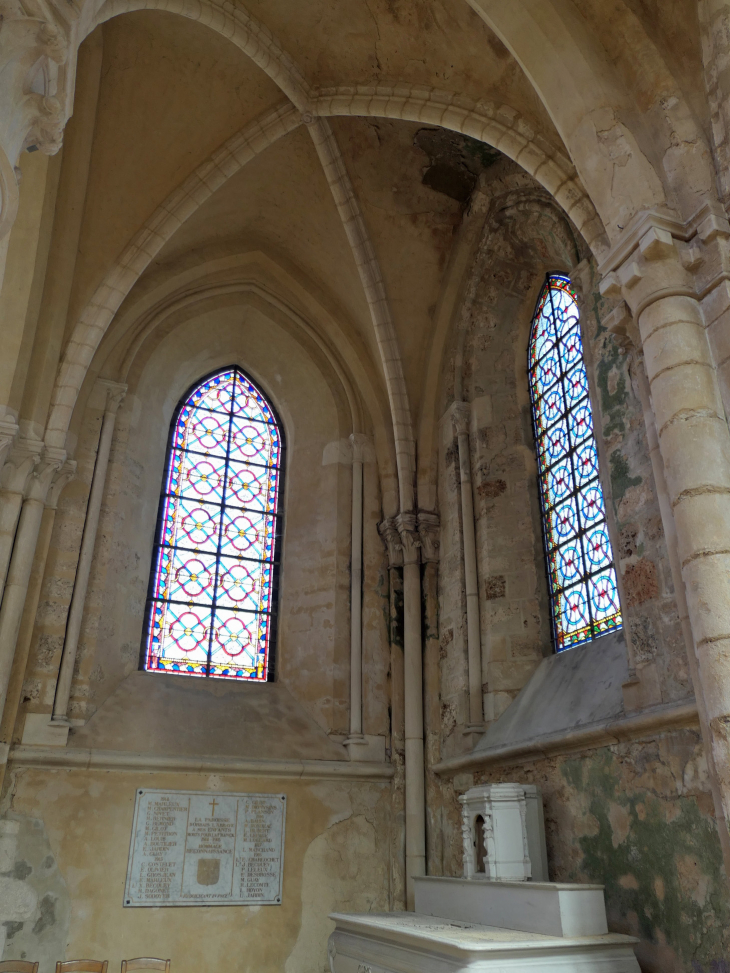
(336, 856)
(637, 817)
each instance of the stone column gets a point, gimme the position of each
(428, 532)
(389, 532)
(22, 648)
(21, 562)
(356, 736)
(649, 267)
(460, 417)
(413, 684)
(115, 394)
(24, 457)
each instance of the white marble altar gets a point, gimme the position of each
(404, 942)
(549, 908)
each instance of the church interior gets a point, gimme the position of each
(365, 485)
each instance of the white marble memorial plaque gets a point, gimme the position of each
(206, 848)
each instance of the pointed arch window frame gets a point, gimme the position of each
(573, 514)
(208, 670)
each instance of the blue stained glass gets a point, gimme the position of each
(581, 572)
(210, 607)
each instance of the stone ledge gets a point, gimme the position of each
(668, 716)
(77, 759)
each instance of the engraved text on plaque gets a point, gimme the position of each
(206, 848)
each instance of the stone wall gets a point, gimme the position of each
(638, 818)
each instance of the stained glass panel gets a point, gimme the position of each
(581, 572)
(210, 607)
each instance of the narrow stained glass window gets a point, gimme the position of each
(581, 574)
(210, 609)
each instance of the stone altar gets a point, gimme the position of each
(481, 923)
(206, 848)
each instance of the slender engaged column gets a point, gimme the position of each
(115, 394)
(428, 532)
(21, 562)
(461, 416)
(356, 734)
(391, 536)
(694, 442)
(24, 457)
(413, 684)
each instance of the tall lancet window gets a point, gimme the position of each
(584, 598)
(210, 608)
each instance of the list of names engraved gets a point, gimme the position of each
(206, 848)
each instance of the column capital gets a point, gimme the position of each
(390, 534)
(362, 447)
(115, 392)
(63, 475)
(429, 535)
(410, 541)
(658, 256)
(24, 456)
(461, 417)
(40, 479)
(8, 435)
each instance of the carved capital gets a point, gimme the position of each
(24, 456)
(410, 541)
(361, 447)
(460, 418)
(429, 535)
(61, 478)
(389, 532)
(115, 392)
(39, 481)
(8, 434)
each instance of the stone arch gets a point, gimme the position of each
(591, 101)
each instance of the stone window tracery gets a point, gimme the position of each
(584, 600)
(210, 608)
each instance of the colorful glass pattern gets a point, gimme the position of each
(580, 564)
(209, 611)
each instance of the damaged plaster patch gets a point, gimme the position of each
(34, 901)
(456, 161)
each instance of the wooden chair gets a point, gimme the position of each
(145, 963)
(82, 966)
(18, 966)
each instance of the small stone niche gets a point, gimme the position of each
(503, 832)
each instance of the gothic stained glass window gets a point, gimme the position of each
(210, 606)
(581, 574)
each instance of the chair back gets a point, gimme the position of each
(82, 966)
(18, 966)
(146, 963)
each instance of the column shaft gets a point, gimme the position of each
(356, 601)
(16, 587)
(83, 571)
(413, 680)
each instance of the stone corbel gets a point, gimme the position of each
(620, 323)
(388, 530)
